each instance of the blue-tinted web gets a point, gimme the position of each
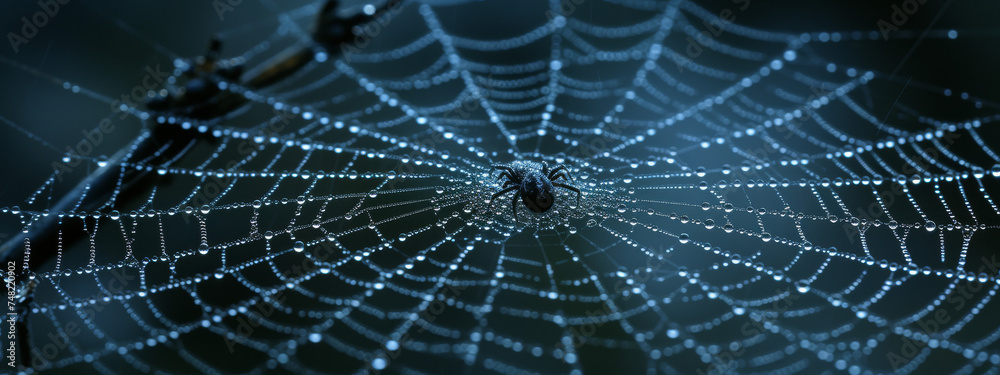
(746, 206)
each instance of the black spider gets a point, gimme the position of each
(534, 187)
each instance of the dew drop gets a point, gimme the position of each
(709, 224)
(802, 286)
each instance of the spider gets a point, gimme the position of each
(534, 187)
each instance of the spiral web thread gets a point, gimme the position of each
(745, 210)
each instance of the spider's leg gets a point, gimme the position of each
(558, 176)
(513, 206)
(508, 175)
(506, 172)
(567, 187)
(509, 183)
(501, 192)
(545, 168)
(556, 170)
(505, 168)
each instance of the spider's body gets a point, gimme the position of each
(534, 187)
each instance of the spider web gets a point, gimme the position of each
(749, 208)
